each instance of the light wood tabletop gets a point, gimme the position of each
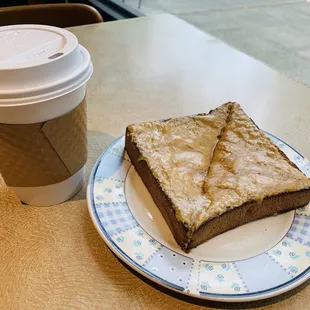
(144, 69)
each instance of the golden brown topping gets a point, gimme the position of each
(207, 164)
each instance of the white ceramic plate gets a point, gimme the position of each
(255, 261)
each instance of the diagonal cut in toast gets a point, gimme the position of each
(210, 173)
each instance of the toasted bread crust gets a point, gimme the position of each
(161, 200)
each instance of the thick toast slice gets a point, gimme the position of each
(213, 172)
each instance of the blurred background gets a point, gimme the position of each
(276, 32)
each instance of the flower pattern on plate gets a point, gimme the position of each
(137, 244)
(304, 210)
(107, 190)
(118, 148)
(291, 255)
(220, 278)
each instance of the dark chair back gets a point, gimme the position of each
(59, 15)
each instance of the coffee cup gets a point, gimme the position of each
(43, 123)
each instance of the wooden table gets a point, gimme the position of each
(145, 68)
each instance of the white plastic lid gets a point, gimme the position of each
(39, 63)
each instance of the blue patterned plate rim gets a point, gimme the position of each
(201, 294)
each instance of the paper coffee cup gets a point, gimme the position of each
(43, 134)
